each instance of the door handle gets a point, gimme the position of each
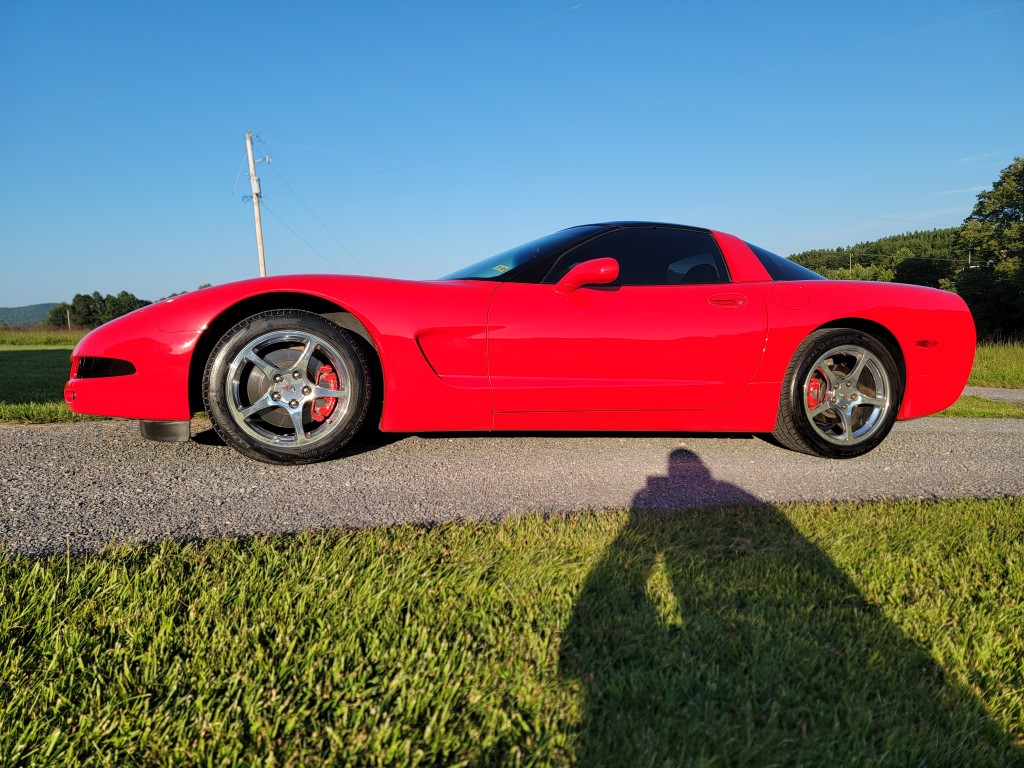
(727, 299)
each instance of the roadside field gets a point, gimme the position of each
(999, 364)
(971, 407)
(830, 634)
(37, 337)
(32, 384)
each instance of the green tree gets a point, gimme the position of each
(995, 294)
(87, 309)
(995, 228)
(883, 254)
(993, 285)
(58, 316)
(923, 271)
(91, 310)
(122, 304)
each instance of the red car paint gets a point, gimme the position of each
(477, 355)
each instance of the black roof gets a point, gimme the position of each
(649, 224)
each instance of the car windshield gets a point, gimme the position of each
(498, 267)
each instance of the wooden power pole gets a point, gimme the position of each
(255, 182)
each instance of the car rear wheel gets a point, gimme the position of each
(841, 394)
(287, 387)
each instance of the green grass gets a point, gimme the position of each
(999, 364)
(853, 634)
(32, 384)
(37, 337)
(970, 407)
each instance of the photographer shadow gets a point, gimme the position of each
(723, 636)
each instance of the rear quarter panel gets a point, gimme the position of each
(933, 332)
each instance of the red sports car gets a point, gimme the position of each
(627, 326)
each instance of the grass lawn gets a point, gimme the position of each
(970, 407)
(855, 634)
(37, 337)
(999, 364)
(32, 381)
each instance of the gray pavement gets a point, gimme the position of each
(79, 487)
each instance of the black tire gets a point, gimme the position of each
(287, 387)
(840, 395)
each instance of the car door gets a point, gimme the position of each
(670, 333)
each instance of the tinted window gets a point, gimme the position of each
(508, 264)
(782, 269)
(652, 256)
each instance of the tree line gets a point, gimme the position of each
(982, 260)
(89, 310)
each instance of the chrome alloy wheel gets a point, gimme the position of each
(847, 395)
(288, 389)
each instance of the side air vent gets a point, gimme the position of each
(103, 367)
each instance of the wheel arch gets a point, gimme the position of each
(263, 303)
(880, 332)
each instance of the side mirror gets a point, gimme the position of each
(593, 272)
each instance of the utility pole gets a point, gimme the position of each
(255, 182)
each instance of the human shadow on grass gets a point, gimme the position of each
(724, 636)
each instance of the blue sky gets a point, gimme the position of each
(408, 139)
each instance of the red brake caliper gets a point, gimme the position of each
(815, 395)
(322, 407)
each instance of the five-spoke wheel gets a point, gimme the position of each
(287, 387)
(841, 394)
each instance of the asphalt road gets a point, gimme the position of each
(82, 486)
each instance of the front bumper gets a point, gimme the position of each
(152, 382)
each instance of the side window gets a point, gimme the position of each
(652, 256)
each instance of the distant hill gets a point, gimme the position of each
(886, 252)
(23, 316)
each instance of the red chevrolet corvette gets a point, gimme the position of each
(624, 326)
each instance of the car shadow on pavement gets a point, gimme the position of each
(367, 441)
(724, 636)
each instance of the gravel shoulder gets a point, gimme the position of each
(79, 487)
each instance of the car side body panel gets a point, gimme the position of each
(477, 355)
(430, 338)
(932, 330)
(630, 348)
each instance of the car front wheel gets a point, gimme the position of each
(287, 387)
(840, 396)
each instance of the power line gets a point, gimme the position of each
(313, 214)
(223, 218)
(263, 203)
